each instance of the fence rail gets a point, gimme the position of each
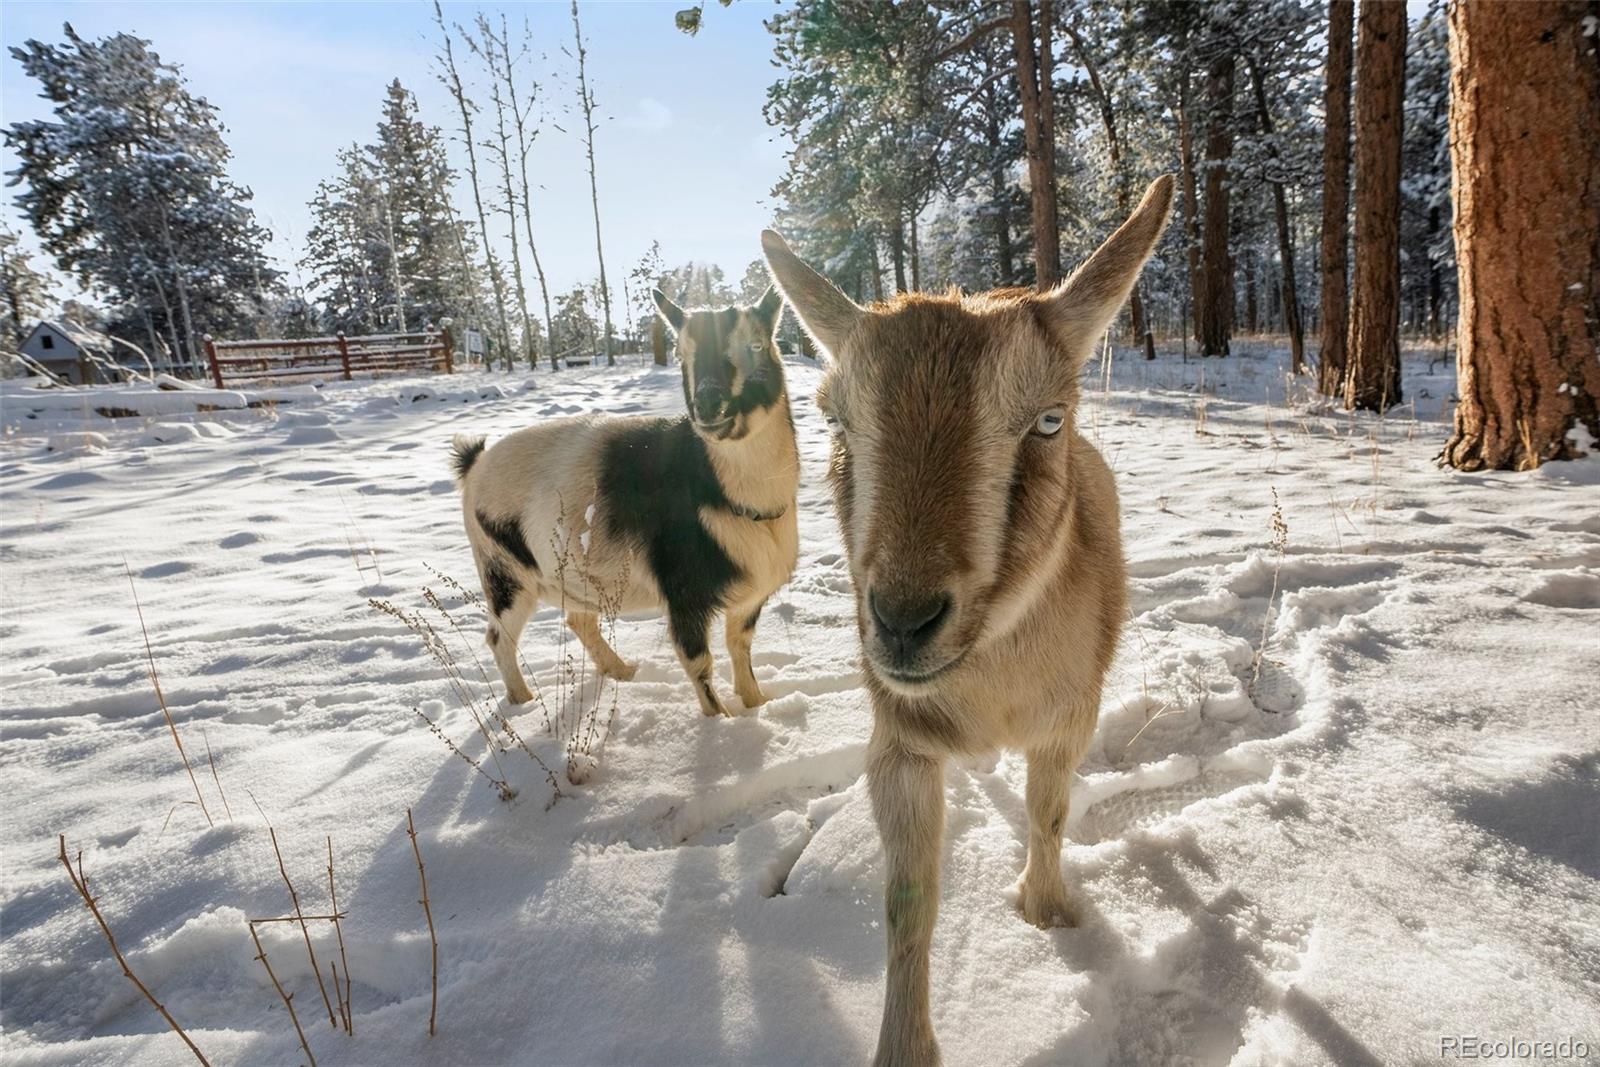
(278, 359)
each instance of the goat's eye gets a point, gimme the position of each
(835, 427)
(757, 347)
(1049, 424)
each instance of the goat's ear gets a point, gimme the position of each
(1081, 308)
(825, 312)
(770, 306)
(671, 313)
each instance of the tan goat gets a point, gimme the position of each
(985, 547)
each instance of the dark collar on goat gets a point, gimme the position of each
(753, 515)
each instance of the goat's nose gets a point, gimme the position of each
(906, 623)
(708, 403)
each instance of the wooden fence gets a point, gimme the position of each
(324, 357)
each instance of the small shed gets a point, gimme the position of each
(67, 349)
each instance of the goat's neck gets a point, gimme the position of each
(762, 469)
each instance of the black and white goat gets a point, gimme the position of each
(694, 514)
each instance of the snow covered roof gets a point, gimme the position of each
(81, 336)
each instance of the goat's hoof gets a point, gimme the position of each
(753, 698)
(622, 672)
(922, 1052)
(519, 696)
(712, 711)
(1047, 911)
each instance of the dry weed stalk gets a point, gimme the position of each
(345, 1008)
(80, 882)
(427, 911)
(350, 523)
(161, 698)
(580, 739)
(288, 998)
(305, 931)
(215, 777)
(1280, 545)
(331, 917)
(501, 787)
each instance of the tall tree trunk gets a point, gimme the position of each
(897, 254)
(1035, 71)
(395, 278)
(1191, 199)
(587, 100)
(1215, 309)
(1280, 205)
(1373, 379)
(1119, 171)
(1524, 111)
(999, 187)
(915, 253)
(1252, 307)
(1335, 316)
(1435, 280)
(458, 92)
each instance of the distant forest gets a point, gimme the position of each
(941, 144)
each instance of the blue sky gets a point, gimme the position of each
(684, 156)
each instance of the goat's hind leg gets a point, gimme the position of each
(511, 604)
(586, 624)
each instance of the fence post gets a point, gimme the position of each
(449, 358)
(344, 355)
(211, 354)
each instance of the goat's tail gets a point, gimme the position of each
(464, 452)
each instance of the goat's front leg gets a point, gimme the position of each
(690, 630)
(740, 632)
(1043, 898)
(908, 802)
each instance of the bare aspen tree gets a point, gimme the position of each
(1372, 380)
(1525, 144)
(586, 102)
(527, 130)
(495, 53)
(451, 77)
(1336, 199)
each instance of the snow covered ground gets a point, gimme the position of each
(1388, 839)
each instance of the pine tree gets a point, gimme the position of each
(1372, 380)
(1335, 255)
(1525, 105)
(23, 290)
(386, 250)
(127, 188)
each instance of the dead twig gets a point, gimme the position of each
(80, 882)
(305, 931)
(433, 1011)
(296, 918)
(333, 897)
(161, 699)
(288, 998)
